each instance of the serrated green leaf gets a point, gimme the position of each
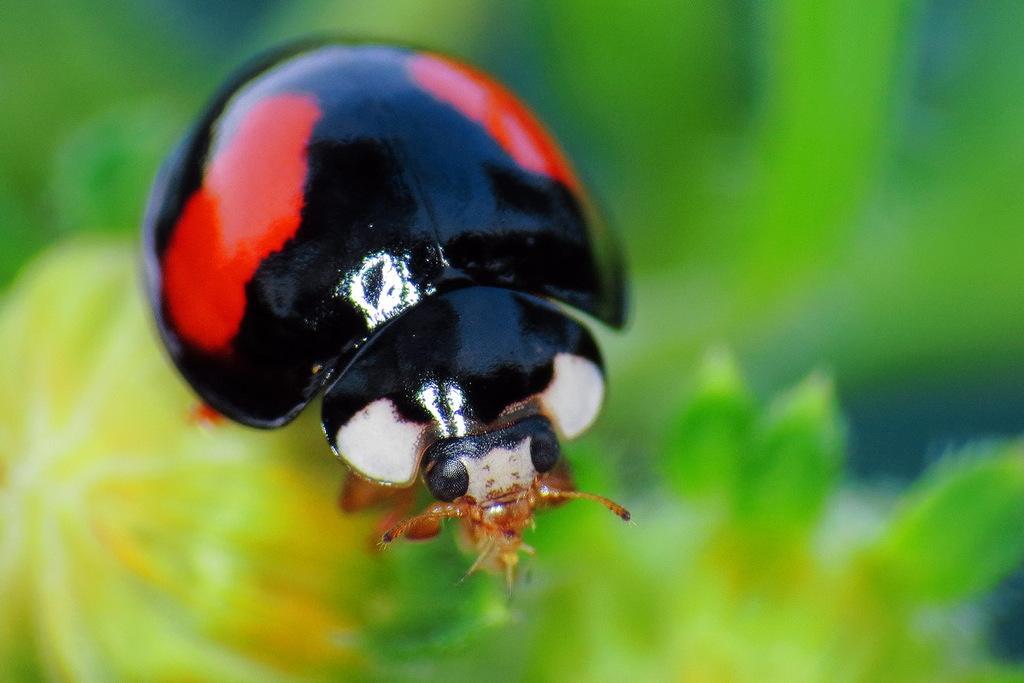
(795, 461)
(962, 529)
(713, 433)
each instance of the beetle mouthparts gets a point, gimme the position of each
(495, 527)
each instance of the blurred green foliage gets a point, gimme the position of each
(962, 533)
(812, 184)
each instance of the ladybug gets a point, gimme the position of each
(394, 229)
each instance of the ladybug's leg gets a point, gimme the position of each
(559, 478)
(205, 415)
(358, 494)
(429, 521)
(552, 490)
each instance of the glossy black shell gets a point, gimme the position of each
(496, 345)
(402, 189)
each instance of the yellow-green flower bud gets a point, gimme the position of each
(135, 542)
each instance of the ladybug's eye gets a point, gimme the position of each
(544, 450)
(448, 479)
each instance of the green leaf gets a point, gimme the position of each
(657, 126)
(105, 168)
(710, 438)
(20, 234)
(796, 459)
(64, 61)
(962, 529)
(829, 78)
(455, 26)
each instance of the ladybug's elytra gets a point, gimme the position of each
(396, 228)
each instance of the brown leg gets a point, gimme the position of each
(429, 519)
(204, 415)
(358, 494)
(549, 494)
(559, 478)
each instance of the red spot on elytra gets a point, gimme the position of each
(503, 116)
(248, 206)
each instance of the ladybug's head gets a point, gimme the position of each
(494, 482)
(492, 466)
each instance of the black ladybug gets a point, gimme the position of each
(396, 227)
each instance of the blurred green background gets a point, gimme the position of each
(814, 184)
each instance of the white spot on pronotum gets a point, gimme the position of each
(574, 396)
(445, 403)
(379, 445)
(430, 398)
(456, 401)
